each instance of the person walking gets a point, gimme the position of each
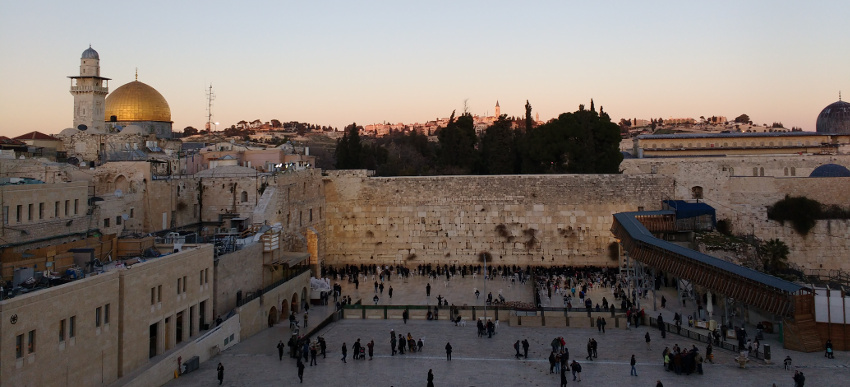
(430, 378)
(392, 342)
(525, 348)
(576, 370)
(646, 337)
(633, 362)
(344, 353)
(313, 352)
(594, 345)
(448, 352)
(589, 350)
(220, 370)
(300, 366)
(371, 347)
(563, 376)
(280, 350)
(709, 356)
(787, 363)
(516, 348)
(323, 346)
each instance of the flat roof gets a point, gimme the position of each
(731, 135)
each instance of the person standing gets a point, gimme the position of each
(576, 370)
(430, 378)
(323, 346)
(516, 347)
(563, 376)
(589, 350)
(344, 353)
(392, 342)
(220, 370)
(646, 337)
(708, 353)
(390, 292)
(428, 290)
(525, 348)
(300, 366)
(305, 320)
(280, 350)
(448, 352)
(371, 347)
(405, 315)
(313, 351)
(594, 345)
(633, 362)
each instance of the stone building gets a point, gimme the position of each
(739, 144)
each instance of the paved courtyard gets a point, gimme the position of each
(490, 362)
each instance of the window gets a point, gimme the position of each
(153, 296)
(311, 215)
(206, 276)
(31, 342)
(179, 282)
(29, 211)
(19, 346)
(56, 209)
(793, 171)
(755, 171)
(244, 197)
(184, 283)
(132, 212)
(5, 214)
(97, 317)
(106, 222)
(18, 213)
(761, 171)
(106, 314)
(76, 206)
(159, 293)
(786, 171)
(118, 220)
(67, 207)
(72, 324)
(201, 277)
(41, 210)
(61, 330)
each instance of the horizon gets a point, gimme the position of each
(335, 63)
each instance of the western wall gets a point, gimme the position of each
(522, 220)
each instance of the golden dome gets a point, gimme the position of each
(137, 101)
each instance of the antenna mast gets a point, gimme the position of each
(210, 99)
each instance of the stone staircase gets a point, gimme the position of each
(259, 215)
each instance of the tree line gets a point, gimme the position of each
(583, 141)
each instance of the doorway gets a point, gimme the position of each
(179, 335)
(152, 340)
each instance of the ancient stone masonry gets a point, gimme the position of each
(532, 219)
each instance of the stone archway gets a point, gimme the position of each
(122, 183)
(273, 316)
(284, 309)
(294, 306)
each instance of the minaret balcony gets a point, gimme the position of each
(83, 89)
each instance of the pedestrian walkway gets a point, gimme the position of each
(489, 362)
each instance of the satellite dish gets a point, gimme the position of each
(125, 216)
(82, 127)
(118, 193)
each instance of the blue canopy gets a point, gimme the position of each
(685, 210)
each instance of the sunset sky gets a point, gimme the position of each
(337, 62)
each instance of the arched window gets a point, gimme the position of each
(696, 192)
(731, 171)
(786, 171)
(793, 171)
(755, 171)
(761, 171)
(244, 197)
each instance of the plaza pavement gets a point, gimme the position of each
(490, 362)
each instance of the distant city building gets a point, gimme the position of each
(89, 90)
(724, 144)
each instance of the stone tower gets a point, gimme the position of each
(498, 110)
(89, 90)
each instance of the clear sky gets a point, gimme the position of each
(337, 62)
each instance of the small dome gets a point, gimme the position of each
(834, 118)
(90, 53)
(135, 102)
(68, 132)
(830, 170)
(134, 129)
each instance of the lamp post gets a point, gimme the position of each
(216, 126)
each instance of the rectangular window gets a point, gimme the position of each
(56, 209)
(153, 296)
(311, 215)
(76, 206)
(118, 220)
(18, 213)
(31, 342)
(106, 314)
(185, 280)
(179, 282)
(97, 317)
(72, 325)
(61, 330)
(206, 276)
(41, 210)
(201, 277)
(132, 212)
(67, 207)
(159, 293)
(106, 222)
(29, 211)
(19, 346)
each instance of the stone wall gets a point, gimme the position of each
(531, 219)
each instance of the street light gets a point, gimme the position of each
(216, 126)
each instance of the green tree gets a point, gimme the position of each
(457, 145)
(349, 149)
(774, 255)
(498, 149)
(742, 119)
(189, 131)
(529, 122)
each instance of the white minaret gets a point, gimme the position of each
(498, 110)
(89, 90)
